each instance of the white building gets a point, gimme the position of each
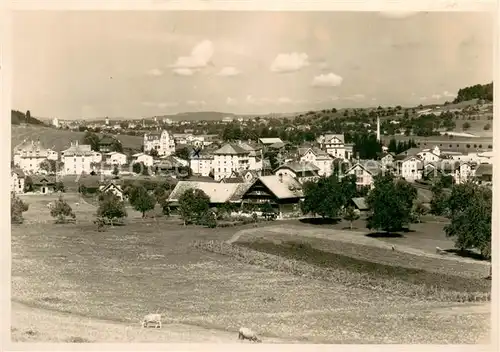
(55, 122)
(255, 156)
(162, 142)
(430, 156)
(319, 158)
(146, 159)
(201, 163)
(411, 168)
(17, 179)
(112, 188)
(365, 171)
(387, 160)
(115, 158)
(464, 172)
(77, 159)
(30, 155)
(230, 157)
(301, 171)
(335, 146)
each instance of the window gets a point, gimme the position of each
(359, 179)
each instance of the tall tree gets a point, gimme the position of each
(193, 203)
(471, 223)
(91, 139)
(17, 208)
(111, 208)
(390, 203)
(141, 200)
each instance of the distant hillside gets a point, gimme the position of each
(478, 91)
(215, 116)
(18, 117)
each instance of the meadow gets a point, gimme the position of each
(59, 139)
(117, 276)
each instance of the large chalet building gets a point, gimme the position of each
(163, 142)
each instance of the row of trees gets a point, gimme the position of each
(93, 140)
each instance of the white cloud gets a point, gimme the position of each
(289, 62)
(436, 96)
(183, 71)
(374, 99)
(228, 71)
(327, 80)
(334, 98)
(231, 101)
(155, 72)
(148, 103)
(423, 98)
(448, 94)
(250, 99)
(200, 57)
(284, 100)
(196, 102)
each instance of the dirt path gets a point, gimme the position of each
(345, 236)
(42, 325)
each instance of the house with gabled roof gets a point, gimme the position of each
(283, 192)
(411, 168)
(112, 187)
(319, 158)
(300, 170)
(334, 144)
(365, 171)
(484, 174)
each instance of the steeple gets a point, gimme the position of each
(378, 129)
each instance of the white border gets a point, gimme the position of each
(235, 5)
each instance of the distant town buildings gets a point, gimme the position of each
(77, 159)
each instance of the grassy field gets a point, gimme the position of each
(61, 139)
(107, 281)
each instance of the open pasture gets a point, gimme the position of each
(123, 273)
(59, 139)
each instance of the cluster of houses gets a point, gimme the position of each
(238, 172)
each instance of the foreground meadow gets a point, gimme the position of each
(148, 266)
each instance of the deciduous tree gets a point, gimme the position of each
(111, 207)
(351, 214)
(193, 203)
(17, 208)
(141, 200)
(61, 210)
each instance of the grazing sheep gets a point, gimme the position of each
(440, 251)
(153, 319)
(246, 333)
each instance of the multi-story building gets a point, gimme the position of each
(78, 158)
(318, 157)
(411, 168)
(30, 155)
(201, 163)
(146, 159)
(301, 171)
(230, 157)
(334, 144)
(162, 142)
(115, 158)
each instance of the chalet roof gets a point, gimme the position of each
(283, 187)
(277, 145)
(360, 203)
(240, 191)
(409, 152)
(217, 192)
(484, 170)
(111, 184)
(328, 137)
(230, 149)
(78, 150)
(39, 179)
(371, 166)
(297, 166)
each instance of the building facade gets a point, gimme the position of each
(77, 159)
(162, 142)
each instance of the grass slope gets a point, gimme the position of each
(61, 139)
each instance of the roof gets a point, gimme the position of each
(371, 166)
(283, 187)
(270, 140)
(317, 151)
(297, 166)
(78, 150)
(328, 137)
(411, 151)
(217, 192)
(20, 173)
(484, 169)
(277, 145)
(104, 188)
(38, 179)
(32, 146)
(231, 149)
(237, 179)
(136, 155)
(360, 203)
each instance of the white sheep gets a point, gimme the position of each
(153, 319)
(246, 333)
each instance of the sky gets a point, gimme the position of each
(130, 64)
